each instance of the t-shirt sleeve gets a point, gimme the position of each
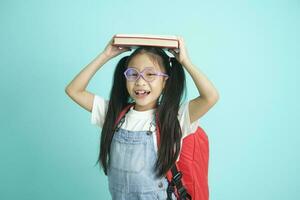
(184, 120)
(99, 110)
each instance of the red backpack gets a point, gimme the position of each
(188, 178)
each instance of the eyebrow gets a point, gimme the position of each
(144, 67)
(136, 67)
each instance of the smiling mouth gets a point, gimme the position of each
(141, 93)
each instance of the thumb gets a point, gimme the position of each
(127, 49)
(123, 49)
(172, 51)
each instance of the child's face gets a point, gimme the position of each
(145, 102)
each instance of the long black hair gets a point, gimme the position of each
(170, 131)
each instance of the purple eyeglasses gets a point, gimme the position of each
(148, 74)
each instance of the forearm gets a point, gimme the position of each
(81, 80)
(205, 88)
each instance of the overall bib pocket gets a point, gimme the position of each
(128, 156)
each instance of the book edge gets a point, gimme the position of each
(146, 36)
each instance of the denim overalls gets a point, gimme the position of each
(131, 167)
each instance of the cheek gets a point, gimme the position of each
(159, 85)
(129, 86)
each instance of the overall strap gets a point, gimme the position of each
(174, 176)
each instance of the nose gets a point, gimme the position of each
(140, 81)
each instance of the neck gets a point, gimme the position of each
(143, 108)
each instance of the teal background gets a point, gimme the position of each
(249, 50)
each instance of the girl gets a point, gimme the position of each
(153, 83)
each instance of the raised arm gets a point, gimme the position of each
(76, 89)
(209, 94)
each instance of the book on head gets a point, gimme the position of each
(135, 40)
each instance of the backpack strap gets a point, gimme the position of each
(157, 130)
(122, 113)
(173, 175)
(177, 183)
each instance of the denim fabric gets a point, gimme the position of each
(131, 167)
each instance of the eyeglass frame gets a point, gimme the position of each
(157, 73)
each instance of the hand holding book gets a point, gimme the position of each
(174, 44)
(111, 50)
(181, 55)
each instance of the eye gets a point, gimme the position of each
(151, 74)
(132, 72)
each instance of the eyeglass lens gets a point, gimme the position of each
(149, 74)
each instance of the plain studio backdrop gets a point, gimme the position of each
(248, 49)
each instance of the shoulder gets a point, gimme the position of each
(100, 102)
(100, 106)
(184, 119)
(182, 107)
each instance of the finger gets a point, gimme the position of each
(125, 49)
(172, 51)
(176, 51)
(180, 38)
(111, 40)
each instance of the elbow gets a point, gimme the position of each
(71, 92)
(214, 98)
(217, 97)
(68, 90)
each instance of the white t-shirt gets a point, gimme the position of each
(140, 120)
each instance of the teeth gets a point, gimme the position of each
(142, 92)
